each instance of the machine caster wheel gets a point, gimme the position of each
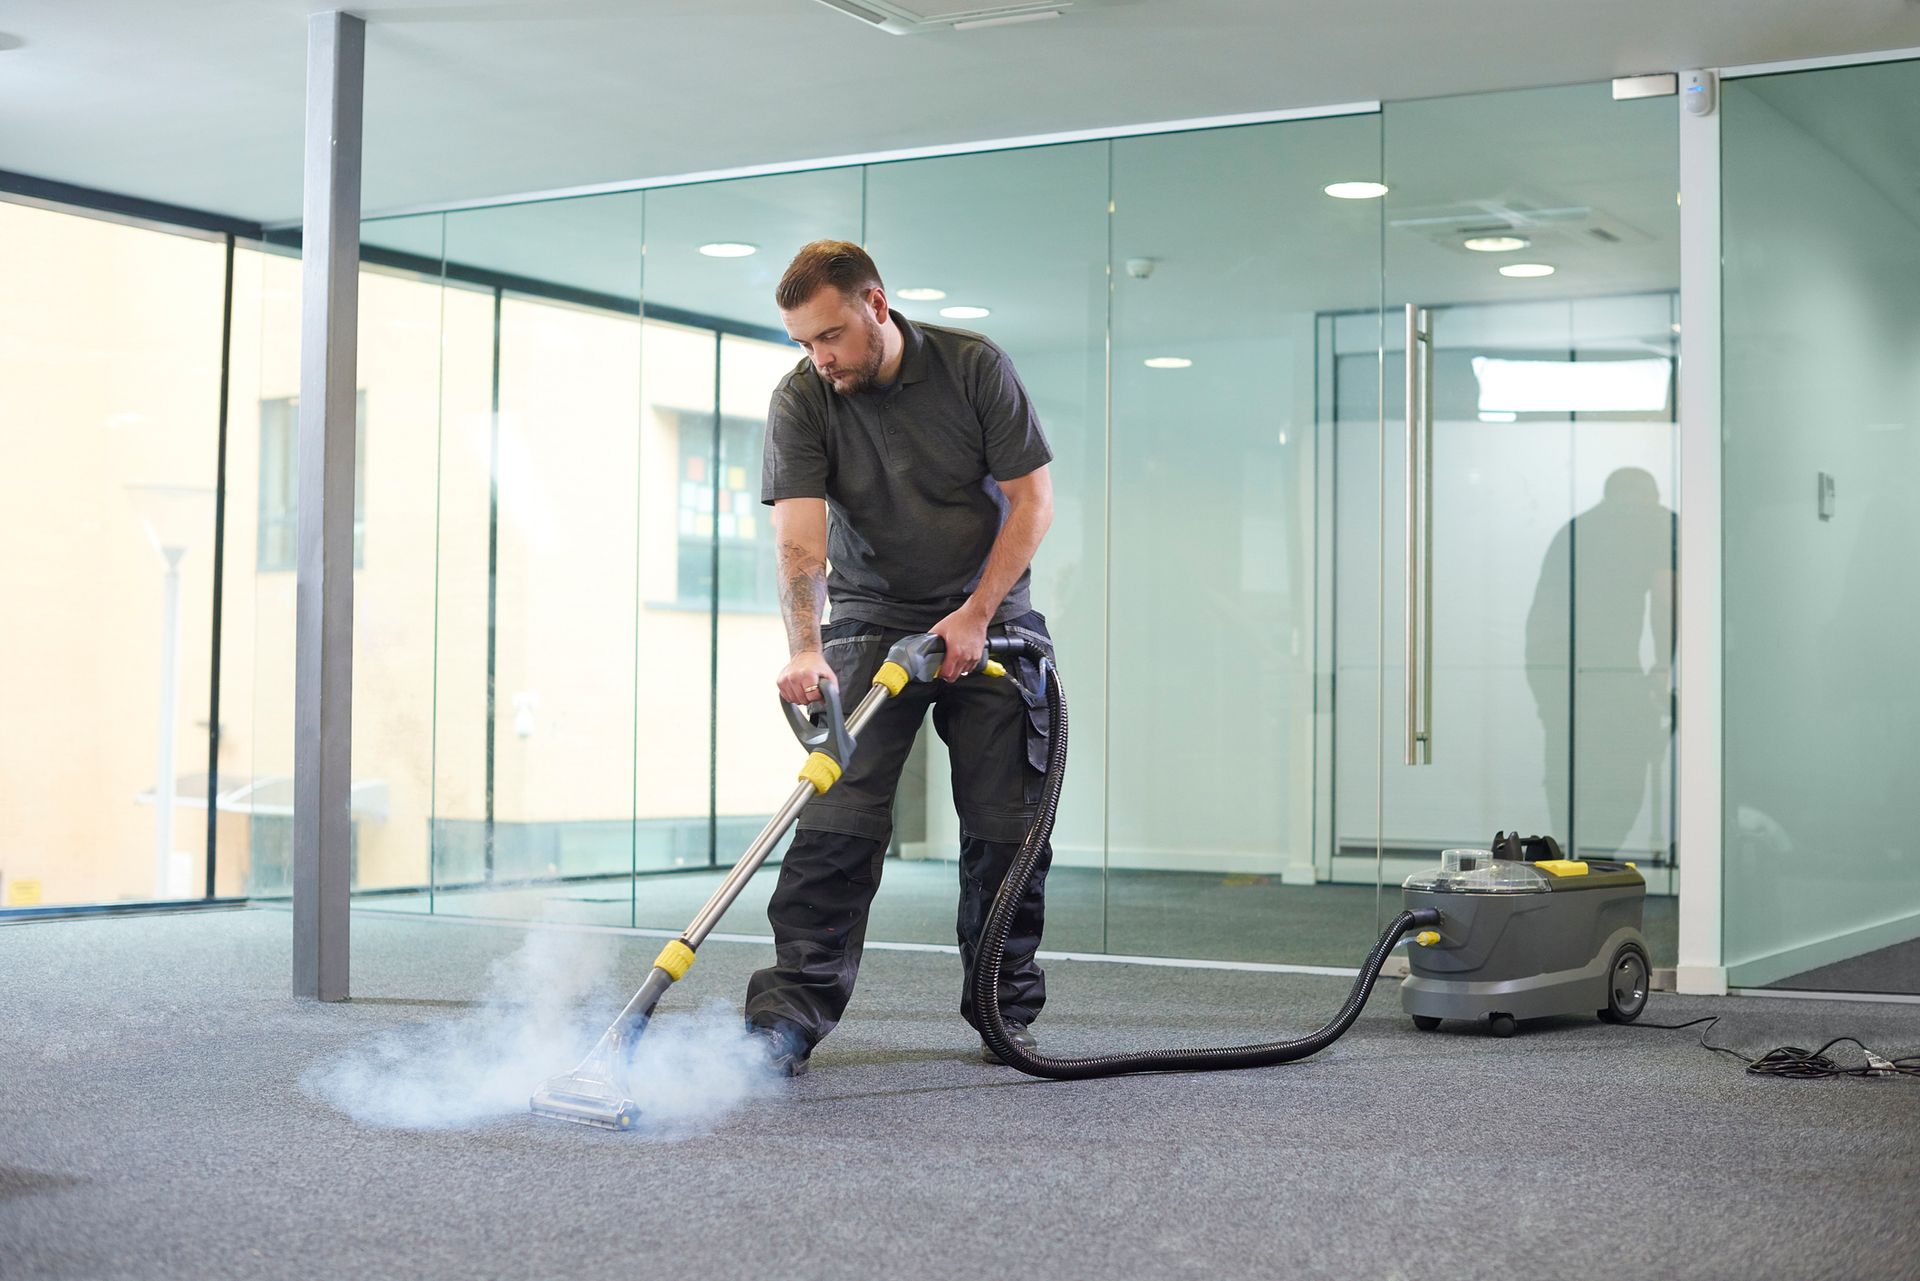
(1425, 1022)
(1500, 1025)
(1627, 984)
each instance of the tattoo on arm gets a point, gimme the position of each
(803, 596)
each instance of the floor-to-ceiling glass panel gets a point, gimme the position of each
(1538, 234)
(539, 458)
(1821, 503)
(1016, 245)
(715, 758)
(110, 367)
(396, 412)
(1229, 258)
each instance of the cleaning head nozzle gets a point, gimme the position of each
(587, 1101)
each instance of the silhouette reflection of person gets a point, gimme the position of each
(1607, 579)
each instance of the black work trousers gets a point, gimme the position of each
(996, 731)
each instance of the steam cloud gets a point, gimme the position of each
(544, 1008)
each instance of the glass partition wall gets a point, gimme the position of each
(566, 628)
(1821, 467)
(568, 683)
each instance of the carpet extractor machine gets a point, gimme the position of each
(1498, 937)
(1526, 932)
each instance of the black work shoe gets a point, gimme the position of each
(786, 1054)
(1018, 1034)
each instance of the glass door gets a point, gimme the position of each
(1519, 539)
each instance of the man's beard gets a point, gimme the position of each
(858, 378)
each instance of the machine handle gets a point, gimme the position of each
(820, 726)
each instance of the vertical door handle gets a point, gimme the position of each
(1419, 517)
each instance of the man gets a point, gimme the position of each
(907, 473)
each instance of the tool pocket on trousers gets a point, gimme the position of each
(1039, 721)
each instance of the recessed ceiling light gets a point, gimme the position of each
(1526, 269)
(921, 295)
(1168, 362)
(964, 313)
(1356, 190)
(1496, 244)
(729, 249)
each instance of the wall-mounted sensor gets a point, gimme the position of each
(1141, 268)
(1698, 91)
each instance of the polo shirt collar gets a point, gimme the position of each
(913, 353)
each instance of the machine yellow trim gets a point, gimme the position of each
(994, 667)
(1562, 866)
(822, 771)
(1427, 938)
(893, 676)
(676, 958)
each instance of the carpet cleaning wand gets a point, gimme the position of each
(594, 1093)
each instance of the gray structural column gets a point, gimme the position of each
(323, 655)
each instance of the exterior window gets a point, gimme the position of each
(732, 508)
(280, 482)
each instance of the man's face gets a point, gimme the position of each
(841, 336)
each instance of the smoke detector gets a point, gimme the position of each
(906, 17)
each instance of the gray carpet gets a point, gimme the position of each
(1129, 913)
(153, 1124)
(1889, 969)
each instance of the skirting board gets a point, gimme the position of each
(1347, 869)
(1141, 859)
(1762, 970)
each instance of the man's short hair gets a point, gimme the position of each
(839, 263)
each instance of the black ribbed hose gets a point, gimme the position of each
(993, 951)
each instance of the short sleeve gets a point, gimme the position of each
(1015, 444)
(794, 464)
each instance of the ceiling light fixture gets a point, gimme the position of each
(1356, 190)
(922, 295)
(1496, 244)
(729, 249)
(1526, 270)
(964, 313)
(1168, 362)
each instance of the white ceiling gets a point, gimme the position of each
(199, 102)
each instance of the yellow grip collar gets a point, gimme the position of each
(676, 958)
(893, 676)
(822, 771)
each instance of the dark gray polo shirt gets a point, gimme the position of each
(909, 474)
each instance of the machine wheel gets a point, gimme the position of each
(1425, 1022)
(1500, 1025)
(1626, 985)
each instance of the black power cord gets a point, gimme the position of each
(1797, 1064)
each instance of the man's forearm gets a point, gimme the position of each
(1013, 551)
(803, 596)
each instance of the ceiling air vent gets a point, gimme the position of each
(1548, 224)
(905, 17)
